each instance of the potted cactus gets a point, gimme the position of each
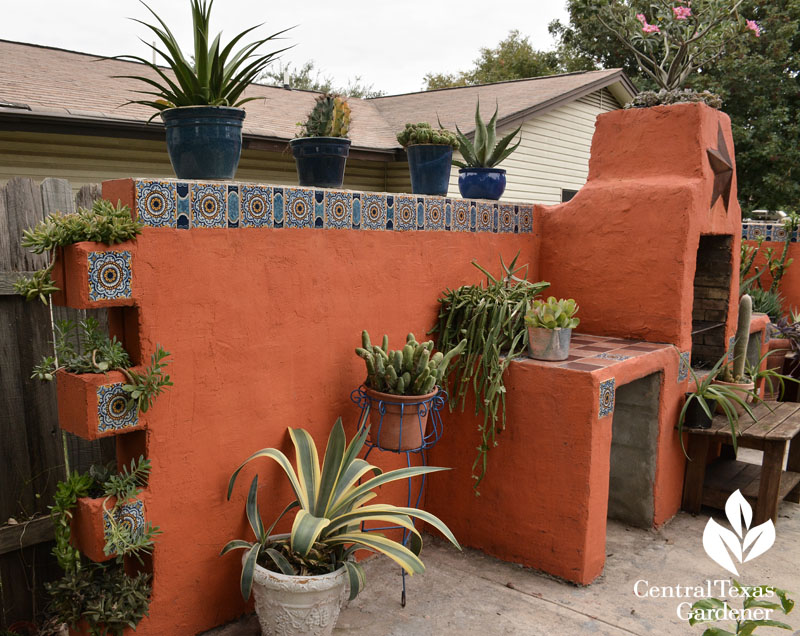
(550, 324)
(400, 386)
(430, 153)
(478, 177)
(733, 374)
(321, 147)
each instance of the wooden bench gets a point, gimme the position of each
(777, 425)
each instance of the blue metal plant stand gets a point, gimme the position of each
(425, 416)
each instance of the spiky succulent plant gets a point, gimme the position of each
(330, 117)
(484, 151)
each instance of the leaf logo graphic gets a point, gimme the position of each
(743, 543)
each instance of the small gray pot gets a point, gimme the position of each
(548, 344)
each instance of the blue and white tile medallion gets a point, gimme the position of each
(338, 209)
(256, 206)
(460, 221)
(373, 211)
(113, 412)
(209, 204)
(405, 212)
(607, 397)
(129, 516)
(109, 275)
(155, 202)
(434, 213)
(683, 367)
(299, 207)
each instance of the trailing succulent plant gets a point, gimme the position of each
(736, 372)
(484, 151)
(553, 313)
(413, 370)
(330, 117)
(104, 222)
(84, 348)
(424, 133)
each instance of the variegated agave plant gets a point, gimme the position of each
(331, 501)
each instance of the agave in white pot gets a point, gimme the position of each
(298, 579)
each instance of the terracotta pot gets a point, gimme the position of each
(740, 387)
(778, 348)
(398, 422)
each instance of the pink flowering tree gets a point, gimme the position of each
(673, 39)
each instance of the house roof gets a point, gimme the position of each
(44, 85)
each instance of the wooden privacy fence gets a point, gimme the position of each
(33, 451)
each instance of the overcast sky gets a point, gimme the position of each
(391, 45)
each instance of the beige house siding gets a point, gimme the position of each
(88, 159)
(554, 153)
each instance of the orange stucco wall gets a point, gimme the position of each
(262, 324)
(790, 283)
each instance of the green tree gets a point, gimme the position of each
(513, 58)
(308, 77)
(757, 79)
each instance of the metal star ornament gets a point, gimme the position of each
(722, 165)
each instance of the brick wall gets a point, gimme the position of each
(712, 283)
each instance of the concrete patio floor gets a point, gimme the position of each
(465, 593)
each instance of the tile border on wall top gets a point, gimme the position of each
(169, 203)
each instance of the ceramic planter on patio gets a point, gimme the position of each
(744, 389)
(398, 422)
(298, 605)
(429, 166)
(204, 142)
(93, 405)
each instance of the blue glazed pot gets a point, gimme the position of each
(429, 165)
(482, 183)
(204, 142)
(320, 160)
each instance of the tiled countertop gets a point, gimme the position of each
(589, 353)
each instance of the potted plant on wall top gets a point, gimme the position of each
(201, 103)
(321, 147)
(478, 177)
(301, 575)
(430, 154)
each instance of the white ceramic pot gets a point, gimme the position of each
(298, 605)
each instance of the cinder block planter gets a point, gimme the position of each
(90, 522)
(93, 405)
(93, 275)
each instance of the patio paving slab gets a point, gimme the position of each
(465, 593)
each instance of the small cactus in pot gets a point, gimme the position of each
(733, 373)
(400, 385)
(322, 147)
(550, 323)
(430, 154)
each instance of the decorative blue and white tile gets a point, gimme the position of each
(460, 215)
(338, 209)
(356, 210)
(319, 208)
(683, 366)
(129, 516)
(485, 217)
(233, 206)
(208, 205)
(473, 216)
(389, 212)
(434, 213)
(420, 213)
(373, 211)
(405, 213)
(779, 233)
(256, 206)
(156, 202)
(278, 207)
(507, 220)
(525, 219)
(184, 207)
(113, 412)
(299, 207)
(612, 356)
(109, 275)
(448, 214)
(607, 397)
